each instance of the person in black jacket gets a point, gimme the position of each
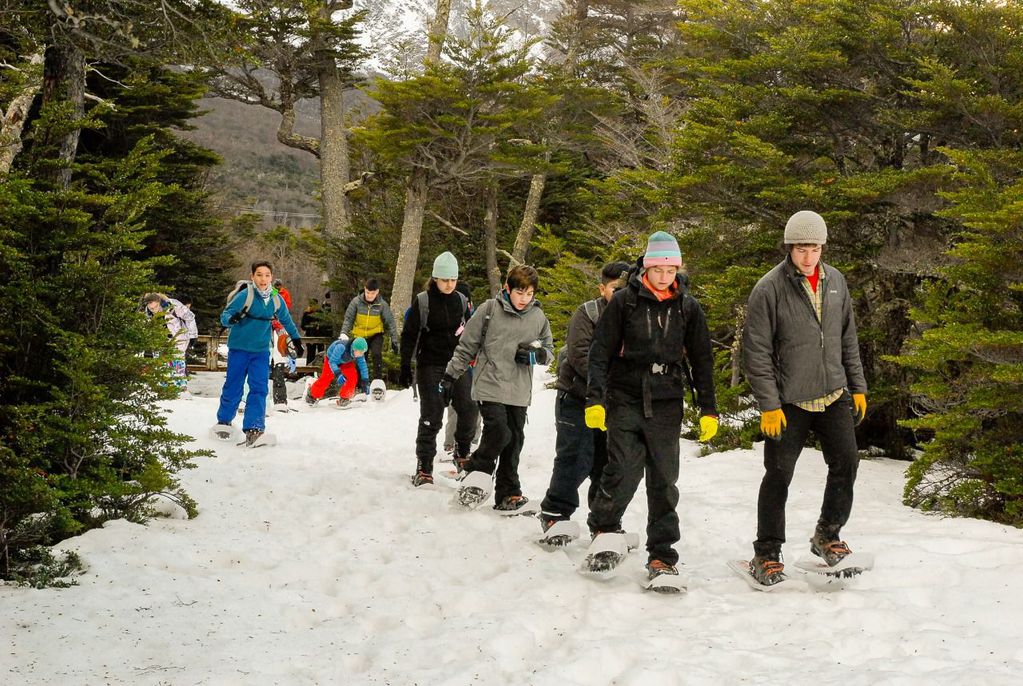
(431, 343)
(579, 452)
(637, 385)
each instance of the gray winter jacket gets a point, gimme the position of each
(787, 355)
(497, 377)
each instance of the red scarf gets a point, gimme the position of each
(661, 295)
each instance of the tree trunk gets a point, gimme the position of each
(335, 167)
(490, 232)
(528, 225)
(13, 120)
(64, 80)
(411, 236)
(417, 189)
(438, 31)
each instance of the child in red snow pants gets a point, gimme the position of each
(349, 377)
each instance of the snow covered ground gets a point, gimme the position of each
(315, 562)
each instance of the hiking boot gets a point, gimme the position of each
(768, 570)
(655, 568)
(252, 435)
(826, 545)
(309, 399)
(344, 402)
(510, 503)
(223, 430)
(460, 460)
(420, 478)
(549, 519)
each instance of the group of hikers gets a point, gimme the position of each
(629, 356)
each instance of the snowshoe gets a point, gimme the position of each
(851, 565)
(606, 552)
(663, 578)
(516, 505)
(344, 403)
(223, 432)
(558, 531)
(257, 438)
(473, 489)
(281, 407)
(742, 570)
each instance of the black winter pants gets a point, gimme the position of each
(375, 355)
(579, 453)
(500, 445)
(431, 414)
(280, 390)
(638, 445)
(835, 429)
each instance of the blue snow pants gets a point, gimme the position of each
(242, 364)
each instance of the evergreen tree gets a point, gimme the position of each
(154, 101)
(968, 362)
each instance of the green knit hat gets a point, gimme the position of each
(445, 266)
(359, 345)
(662, 249)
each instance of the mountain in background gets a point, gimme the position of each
(261, 175)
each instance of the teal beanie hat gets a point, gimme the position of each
(445, 266)
(359, 345)
(662, 249)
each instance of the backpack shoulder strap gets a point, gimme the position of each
(250, 293)
(423, 298)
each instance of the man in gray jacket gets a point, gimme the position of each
(507, 336)
(801, 357)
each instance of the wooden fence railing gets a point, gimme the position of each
(202, 356)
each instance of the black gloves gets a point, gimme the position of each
(299, 348)
(365, 386)
(534, 353)
(446, 388)
(234, 318)
(405, 376)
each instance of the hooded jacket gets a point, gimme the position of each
(640, 345)
(497, 377)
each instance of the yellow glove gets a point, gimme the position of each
(708, 427)
(772, 423)
(860, 405)
(595, 416)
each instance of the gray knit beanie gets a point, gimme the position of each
(806, 227)
(445, 266)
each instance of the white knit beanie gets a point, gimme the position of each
(806, 227)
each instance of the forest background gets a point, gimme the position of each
(556, 134)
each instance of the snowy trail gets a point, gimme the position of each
(315, 562)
